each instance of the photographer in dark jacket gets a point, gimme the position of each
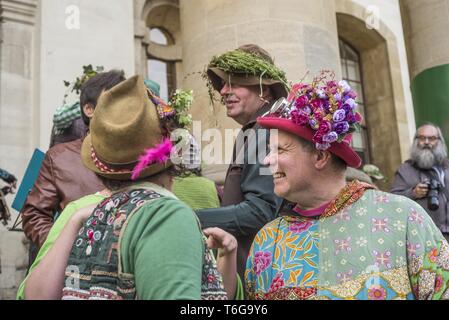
(425, 176)
(248, 201)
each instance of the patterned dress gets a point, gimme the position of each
(367, 244)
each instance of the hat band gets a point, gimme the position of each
(103, 167)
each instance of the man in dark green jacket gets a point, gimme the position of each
(247, 92)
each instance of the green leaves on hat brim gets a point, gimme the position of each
(238, 61)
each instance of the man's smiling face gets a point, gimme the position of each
(290, 164)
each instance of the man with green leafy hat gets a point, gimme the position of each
(249, 82)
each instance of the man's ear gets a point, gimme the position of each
(322, 158)
(88, 110)
(266, 93)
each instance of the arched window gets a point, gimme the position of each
(351, 72)
(163, 72)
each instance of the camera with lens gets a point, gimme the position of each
(434, 187)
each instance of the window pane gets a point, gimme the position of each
(357, 141)
(343, 69)
(157, 71)
(361, 109)
(157, 36)
(353, 71)
(352, 74)
(351, 54)
(358, 88)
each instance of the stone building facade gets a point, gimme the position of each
(377, 45)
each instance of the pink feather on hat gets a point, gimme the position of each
(158, 154)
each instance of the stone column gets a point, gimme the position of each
(426, 24)
(17, 23)
(301, 35)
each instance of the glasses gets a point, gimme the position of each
(431, 139)
(281, 108)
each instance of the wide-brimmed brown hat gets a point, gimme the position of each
(124, 125)
(245, 77)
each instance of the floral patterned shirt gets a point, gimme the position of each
(366, 245)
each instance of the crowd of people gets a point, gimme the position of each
(111, 216)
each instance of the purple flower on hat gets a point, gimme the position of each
(337, 97)
(351, 118)
(351, 102)
(345, 86)
(347, 109)
(339, 115)
(341, 127)
(321, 94)
(322, 146)
(307, 110)
(313, 124)
(325, 105)
(330, 137)
(352, 94)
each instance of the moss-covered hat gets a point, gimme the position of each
(247, 66)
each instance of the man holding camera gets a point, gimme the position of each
(425, 176)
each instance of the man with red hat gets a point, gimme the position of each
(337, 240)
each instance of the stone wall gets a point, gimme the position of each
(17, 36)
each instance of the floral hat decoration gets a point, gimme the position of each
(323, 112)
(174, 115)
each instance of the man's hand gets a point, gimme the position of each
(420, 190)
(219, 239)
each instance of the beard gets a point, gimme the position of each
(427, 157)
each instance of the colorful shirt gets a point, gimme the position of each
(366, 245)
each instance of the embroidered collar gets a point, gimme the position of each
(347, 196)
(352, 192)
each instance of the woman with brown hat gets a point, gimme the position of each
(142, 242)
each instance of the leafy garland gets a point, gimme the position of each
(181, 101)
(75, 86)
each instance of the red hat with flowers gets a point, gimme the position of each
(323, 112)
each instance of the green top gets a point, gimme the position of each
(169, 277)
(56, 229)
(162, 247)
(197, 192)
